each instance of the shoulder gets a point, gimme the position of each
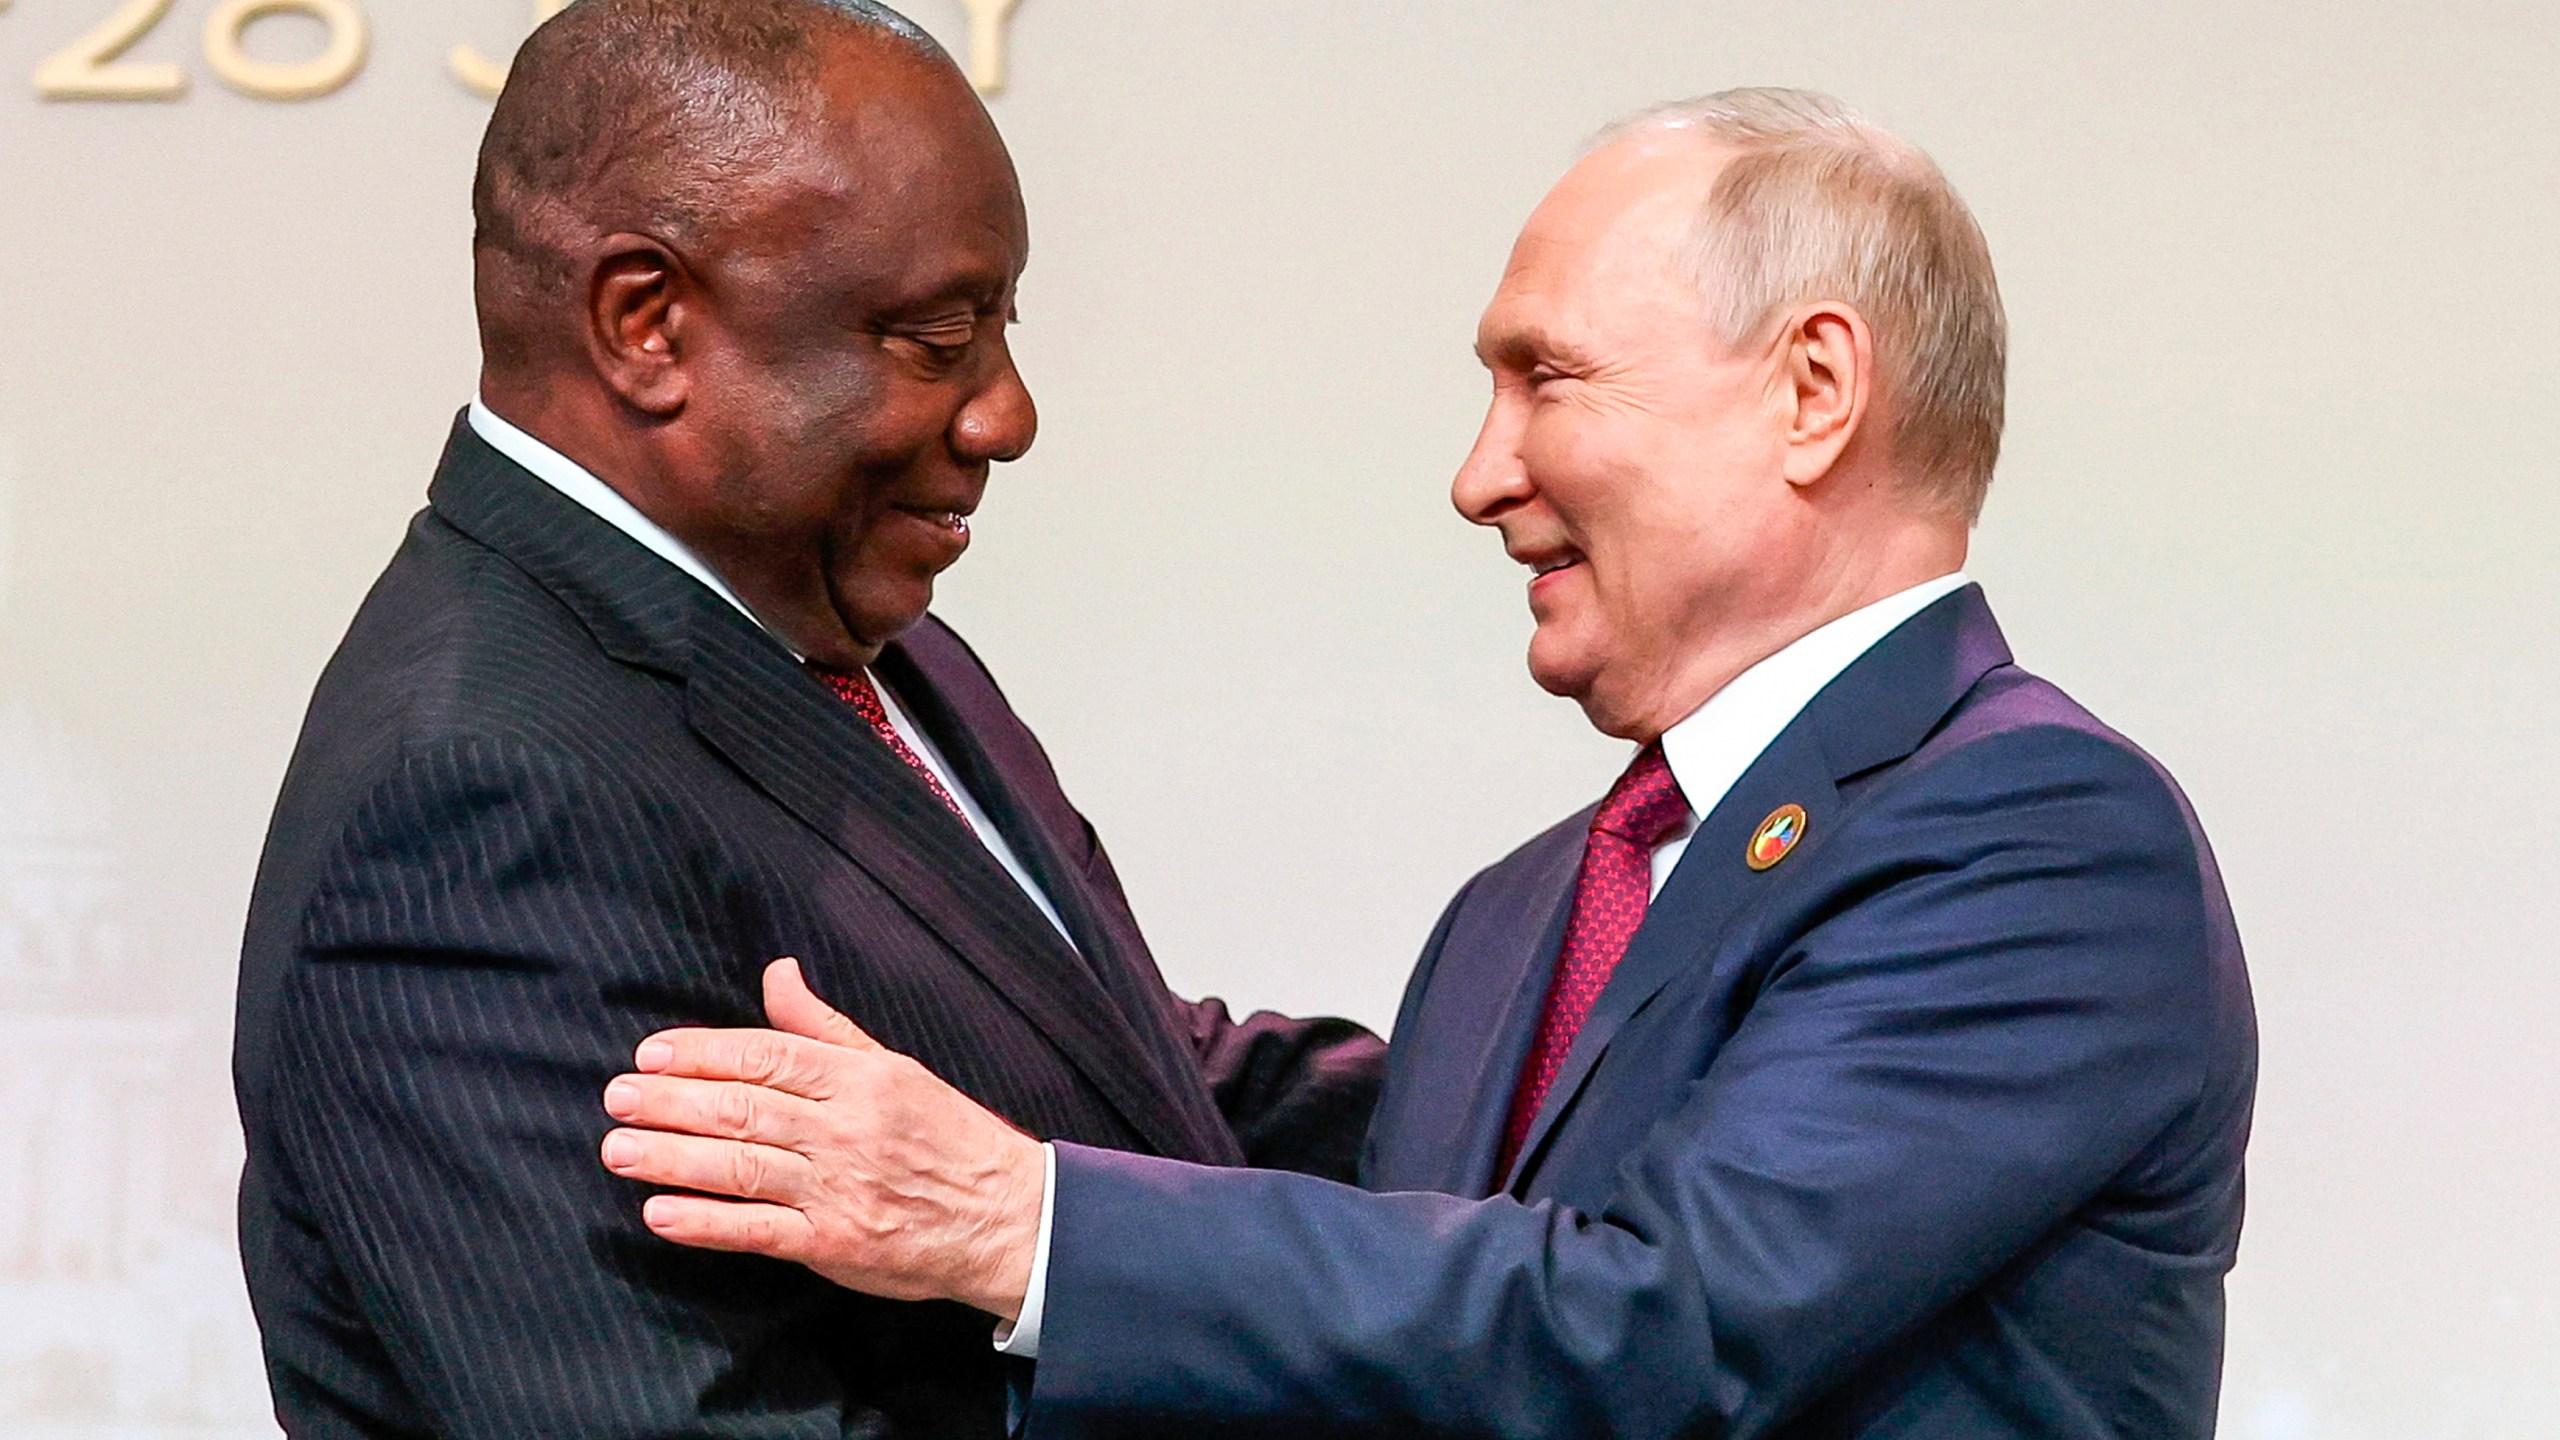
(469, 723)
(2026, 816)
(2029, 848)
(484, 857)
(2017, 750)
(456, 645)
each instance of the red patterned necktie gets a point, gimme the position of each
(854, 687)
(1644, 809)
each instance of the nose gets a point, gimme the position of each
(1493, 481)
(1000, 421)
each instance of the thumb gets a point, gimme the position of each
(793, 1007)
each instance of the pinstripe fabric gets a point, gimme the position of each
(552, 795)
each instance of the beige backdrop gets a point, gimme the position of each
(2278, 502)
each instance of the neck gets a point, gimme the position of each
(581, 426)
(1841, 583)
(648, 467)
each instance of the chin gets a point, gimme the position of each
(1571, 673)
(876, 613)
(1559, 667)
(1616, 722)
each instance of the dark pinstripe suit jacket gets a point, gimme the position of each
(553, 795)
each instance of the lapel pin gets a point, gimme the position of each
(1776, 837)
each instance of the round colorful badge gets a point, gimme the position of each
(1777, 837)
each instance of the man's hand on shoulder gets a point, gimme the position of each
(842, 1155)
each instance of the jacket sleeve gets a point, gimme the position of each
(1958, 1055)
(1297, 1093)
(492, 934)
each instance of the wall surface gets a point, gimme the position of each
(2279, 502)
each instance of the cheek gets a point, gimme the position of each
(1639, 533)
(1560, 448)
(824, 407)
(1584, 472)
(894, 426)
(1589, 458)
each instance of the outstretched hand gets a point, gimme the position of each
(842, 1155)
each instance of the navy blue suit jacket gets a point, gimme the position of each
(1933, 1129)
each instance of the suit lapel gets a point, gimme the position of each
(1711, 885)
(797, 743)
(1040, 851)
(1000, 763)
(1526, 961)
(1874, 713)
(803, 747)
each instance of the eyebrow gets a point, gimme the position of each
(980, 293)
(1522, 342)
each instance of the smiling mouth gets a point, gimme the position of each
(952, 520)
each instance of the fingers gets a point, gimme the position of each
(791, 1063)
(725, 1109)
(775, 1230)
(719, 1167)
(793, 1007)
(798, 1055)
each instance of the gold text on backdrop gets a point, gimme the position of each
(88, 68)
(483, 76)
(93, 67)
(990, 22)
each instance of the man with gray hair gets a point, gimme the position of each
(1876, 1058)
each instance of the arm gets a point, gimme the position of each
(1928, 1082)
(493, 934)
(1297, 1093)
(1980, 1030)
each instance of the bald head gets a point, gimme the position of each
(656, 117)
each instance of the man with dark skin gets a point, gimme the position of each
(650, 694)
(806, 380)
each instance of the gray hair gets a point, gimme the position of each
(1820, 203)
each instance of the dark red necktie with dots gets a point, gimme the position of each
(1644, 809)
(856, 690)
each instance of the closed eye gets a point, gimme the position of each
(942, 345)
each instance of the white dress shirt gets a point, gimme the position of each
(573, 480)
(1724, 737)
(1707, 752)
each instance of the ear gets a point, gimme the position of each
(643, 305)
(1828, 363)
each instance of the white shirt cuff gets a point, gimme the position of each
(1021, 1339)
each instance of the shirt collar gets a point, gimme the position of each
(1721, 739)
(607, 504)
